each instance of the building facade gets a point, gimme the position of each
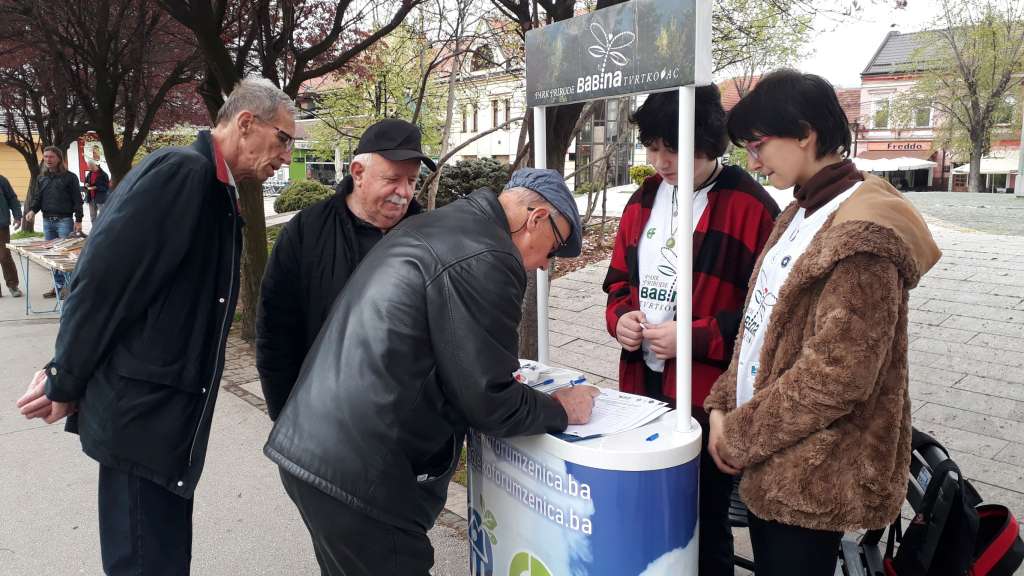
(887, 78)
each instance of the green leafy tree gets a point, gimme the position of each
(298, 195)
(970, 72)
(468, 175)
(387, 82)
(639, 173)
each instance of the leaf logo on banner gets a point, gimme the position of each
(525, 564)
(608, 47)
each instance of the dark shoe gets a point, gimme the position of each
(51, 293)
(16, 292)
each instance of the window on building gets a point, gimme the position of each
(465, 118)
(508, 109)
(923, 117)
(476, 111)
(483, 58)
(881, 119)
(494, 114)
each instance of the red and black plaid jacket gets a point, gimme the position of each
(728, 239)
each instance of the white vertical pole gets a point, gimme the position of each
(1018, 185)
(684, 268)
(540, 155)
(684, 230)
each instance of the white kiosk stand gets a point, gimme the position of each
(626, 504)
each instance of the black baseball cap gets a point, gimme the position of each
(394, 139)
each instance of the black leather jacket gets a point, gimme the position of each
(420, 345)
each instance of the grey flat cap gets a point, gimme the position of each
(551, 185)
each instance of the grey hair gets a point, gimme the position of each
(365, 158)
(257, 95)
(525, 196)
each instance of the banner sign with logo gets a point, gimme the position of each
(634, 47)
(534, 514)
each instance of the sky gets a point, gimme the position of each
(843, 46)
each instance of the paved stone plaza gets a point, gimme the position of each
(967, 382)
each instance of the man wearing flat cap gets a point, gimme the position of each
(317, 251)
(420, 346)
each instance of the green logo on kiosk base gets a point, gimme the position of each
(524, 564)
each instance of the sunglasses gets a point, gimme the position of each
(554, 230)
(754, 147)
(286, 140)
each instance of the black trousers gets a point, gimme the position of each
(350, 543)
(783, 549)
(715, 550)
(144, 528)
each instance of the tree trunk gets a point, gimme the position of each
(254, 254)
(561, 123)
(528, 325)
(33, 183)
(974, 180)
(446, 133)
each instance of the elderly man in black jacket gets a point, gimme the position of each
(140, 351)
(318, 250)
(421, 345)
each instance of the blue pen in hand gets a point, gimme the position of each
(577, 380)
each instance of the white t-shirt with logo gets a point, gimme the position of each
(657, 260)
(774, 270)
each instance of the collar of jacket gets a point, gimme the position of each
(487, 201)
(204, 145)
(828, 183)
(877, 220)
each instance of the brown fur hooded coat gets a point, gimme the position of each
(825, 441)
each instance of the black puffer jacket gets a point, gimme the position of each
(315, 254)
(58, 195)
(421, 344)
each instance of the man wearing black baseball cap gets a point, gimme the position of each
(319, 248)
(421, 345)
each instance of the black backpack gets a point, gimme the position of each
(951, 534)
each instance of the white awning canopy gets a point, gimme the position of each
(892, 164)
(1002, 162)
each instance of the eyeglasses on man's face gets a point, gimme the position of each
(286, 140)
(562, 241)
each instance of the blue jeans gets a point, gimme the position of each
(58, 228)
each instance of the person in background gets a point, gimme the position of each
(814, 408)
(140, 350)
(59, 199)
(9, 206)
(732, 217)
(319, 249)
(97, 186)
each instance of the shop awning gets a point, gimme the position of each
(1003, 162)
(892, 164)
(893, 154)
